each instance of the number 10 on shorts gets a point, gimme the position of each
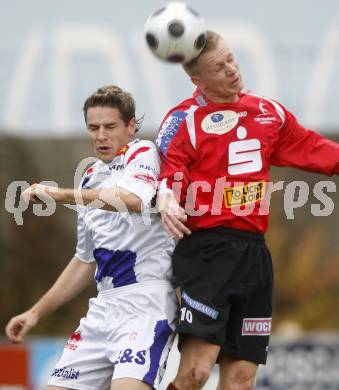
(186, 315)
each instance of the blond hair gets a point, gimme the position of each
(212, 40)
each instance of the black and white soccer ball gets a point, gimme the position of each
(175, 33)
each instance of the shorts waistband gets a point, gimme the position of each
(239, 233)
(135, 286)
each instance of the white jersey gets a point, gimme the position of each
(127, 247)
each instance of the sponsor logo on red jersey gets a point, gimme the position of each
(245, 194)
(169, 129)
(266, 117)
(244, 156)
(256, 326)
(220, 122)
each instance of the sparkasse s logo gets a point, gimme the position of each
(244, 155)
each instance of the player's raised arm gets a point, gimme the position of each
(107, 199)
(302, 148)
(133, 191)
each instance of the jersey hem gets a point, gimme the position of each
(138, 285)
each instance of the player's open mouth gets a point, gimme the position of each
(103, 148)
(236, 81)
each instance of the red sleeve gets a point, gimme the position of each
(302, 148)
(176, 153)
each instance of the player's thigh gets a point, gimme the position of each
(139, 347)
(206, 268)
(83, 363)
(197, 354)
(249, 325)
(129, 384)
(236, 372)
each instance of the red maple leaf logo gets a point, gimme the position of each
(75, 337)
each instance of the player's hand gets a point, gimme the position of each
(37, 193)
(18, 326)
(173, 216)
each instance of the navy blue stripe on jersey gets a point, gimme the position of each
(117, 264)
(169, 129)
(85, 181)
(162, 332)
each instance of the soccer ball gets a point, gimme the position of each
(175, 33)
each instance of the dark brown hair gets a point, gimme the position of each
(114, 97)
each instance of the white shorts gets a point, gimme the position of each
(127, 333)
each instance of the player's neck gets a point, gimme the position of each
(233, 98)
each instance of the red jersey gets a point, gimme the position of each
(216, 157)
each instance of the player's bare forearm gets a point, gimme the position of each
(111, 199)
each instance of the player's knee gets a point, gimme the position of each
(240, 382)
(195, 378)
(237, 374)
(201, 375)
(247, 385)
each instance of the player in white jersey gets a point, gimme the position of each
(124, 340)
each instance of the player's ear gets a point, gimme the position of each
(196, 81)
(132, 125)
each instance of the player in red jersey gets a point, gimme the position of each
(216, 149)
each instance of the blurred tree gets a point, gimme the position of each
(306, 258)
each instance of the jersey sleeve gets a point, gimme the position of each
(302, 148)
(141, 171)
(85, 247)
(176, 153)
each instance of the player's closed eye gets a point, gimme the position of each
(92, 128)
